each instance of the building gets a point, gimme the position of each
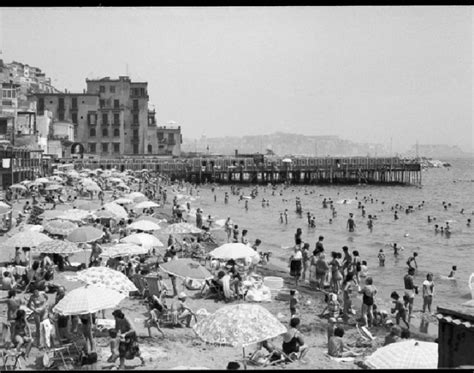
(455, 336)
(110, 118)
(163, 140)
(18, 164)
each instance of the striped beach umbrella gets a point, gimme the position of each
(59, 227)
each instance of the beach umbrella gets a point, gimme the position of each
(234, 251)
(144, 239)
(186, 268)
(73, 174)
(123, 249)
(60, 227)
(287, 160)
(51, 214)
(410, 354)
(137, 196)
(115, 179)
(144, 225)
(239, 325)
(18, 186)
(88, 299)
(74, 215)
(53, 187)
(26, 239)
(93, 188)
(5, 205)
(57, 247)
(117, 210)
(146, 205)
(57, 172)
(181, 228)
(106, 277)
(220, 222)
(104, 214)
(43, 180)
(150, 218)
(85, 234)
(87, 205)
(123, 201)
(56, 178)
(25, 228)
(25, 182)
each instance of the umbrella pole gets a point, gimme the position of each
(245, 360)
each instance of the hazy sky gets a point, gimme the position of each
(364, 73)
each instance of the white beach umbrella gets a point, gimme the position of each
(88, 299)
(117, 210)
(144, 239)
(144, 225)
(146, 205)
(234, 251)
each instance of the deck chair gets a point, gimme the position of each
(141, 284)
(213, 290)
(11, 360)
(281, 359)
(153, 286)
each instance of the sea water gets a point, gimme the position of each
(436, 253)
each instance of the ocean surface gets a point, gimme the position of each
(436, 253)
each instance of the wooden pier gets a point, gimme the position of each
(259, 169)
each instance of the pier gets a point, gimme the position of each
(259, 169)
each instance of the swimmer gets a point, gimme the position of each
(453, 272)
(395, 249)
(468, 222)
(429, 219)
(412, 259)
(395, 216)
(350, 223)
(436, 228)
(286, 216)
(330, 221)
(381, 257)
(281, 217)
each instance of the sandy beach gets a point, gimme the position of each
(182, 348)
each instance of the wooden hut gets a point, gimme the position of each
(455, 336)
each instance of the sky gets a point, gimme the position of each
(366, 74)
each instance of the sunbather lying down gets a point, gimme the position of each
(267, 354)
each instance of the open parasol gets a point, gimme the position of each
(106, 277)
(85, 234)
(144, 239)
(123, 249)
(181, 228)
(234, 251)
(144, 225)
(57, 247)
(186, 268)
(59, 227)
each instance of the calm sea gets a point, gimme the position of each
(436, 253)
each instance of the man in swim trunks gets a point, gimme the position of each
(410, 290)
(350, 223)
(412, 259)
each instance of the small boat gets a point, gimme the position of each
(471, 284)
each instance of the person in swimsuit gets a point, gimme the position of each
(350, 223)
(428, 292)
(38, 303)
(410, 290)
(368, 294)
(412, 259)
(337, 347)
(22, 332)
(336, 274)
(128, 346)
(293, 343)
(453, 272)
(399, 309)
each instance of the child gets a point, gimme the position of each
(399, 309)
(293, 302)
(381, 257)
(453, 272)
(337, 347)
(364, 271)
(114, 343)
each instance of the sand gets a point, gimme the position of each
(182, 348)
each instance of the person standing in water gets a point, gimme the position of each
(410, 290)
(286, 216)
(350, 223)
(412, 259)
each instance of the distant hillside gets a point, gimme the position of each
(284, 143)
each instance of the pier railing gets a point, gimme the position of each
(304, 170)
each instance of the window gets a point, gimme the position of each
(101, 103)
(160, 136)
(74, 102)
(135, 118)
(142, 92)
(61, 115)
(116, 132)
(135, 104)
(135, 134)
(116, 104)
(150, 148)
(92, 147)
(61, 103)
(91, 118)
(116, 147)
(112, 89)
(135, 148)
(105, 119)
(92, 132)
(116, 119)
(75, 132)
(105, 148)
(102, 89)
(105, 132)
(170, 138)
(74, 118)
